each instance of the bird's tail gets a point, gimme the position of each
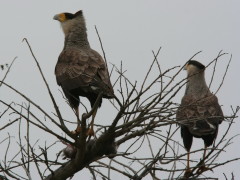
(202, 127)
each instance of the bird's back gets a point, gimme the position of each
(201, 115)
(83, 69)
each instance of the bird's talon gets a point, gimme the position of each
(77, 131)
(90, 132)
(202, 169)
(188, 173)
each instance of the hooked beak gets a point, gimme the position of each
(60, 17)
(56, 17)
(185, 67)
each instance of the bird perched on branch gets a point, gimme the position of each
(199, 114)
(80, 70)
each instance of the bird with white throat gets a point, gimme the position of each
(199, 114)
(80, 70)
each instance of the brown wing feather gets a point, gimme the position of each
(85, 69)
(199, 114)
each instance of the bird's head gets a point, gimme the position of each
(69, 20)
(194, 67)
(64, 17)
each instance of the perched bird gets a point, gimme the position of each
(80, 70)
(199, 114)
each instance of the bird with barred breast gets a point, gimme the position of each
(80, 70)
(199, 114)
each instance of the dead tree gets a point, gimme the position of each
(138, 142)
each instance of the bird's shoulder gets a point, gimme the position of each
(79, 56)
(208, 99)
(78, 61)
(192, 106)
(82, 68)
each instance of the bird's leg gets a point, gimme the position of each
(90, 130)
(188, 171)
(202, 167)
(94, 112)
(204, 152)
(77, 114)
(78, 129)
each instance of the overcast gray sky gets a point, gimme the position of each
(130, 30)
